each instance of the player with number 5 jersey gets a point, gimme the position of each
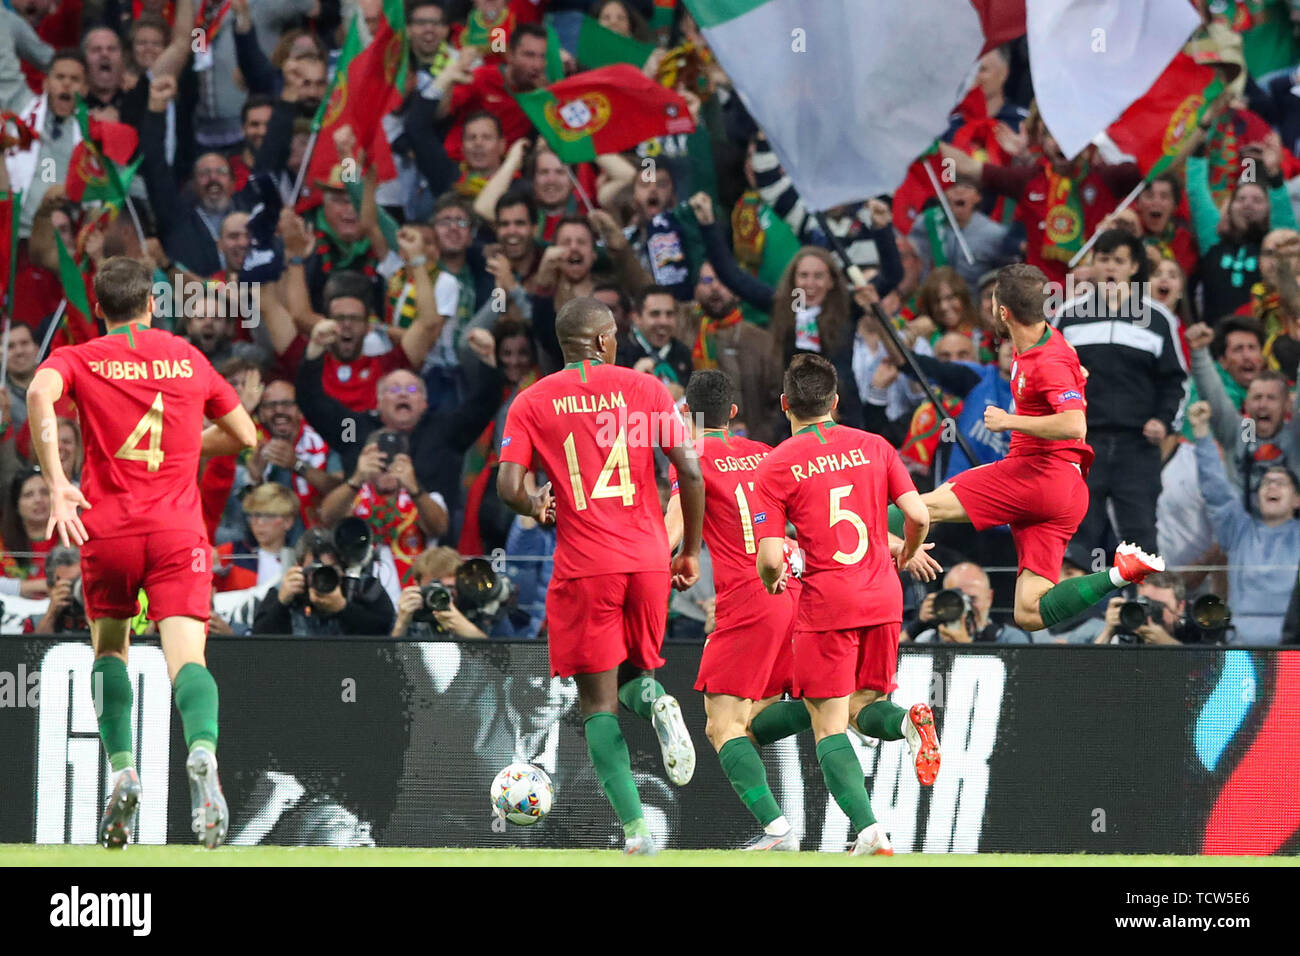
(142, 396)
(834, 484)
(594, 428)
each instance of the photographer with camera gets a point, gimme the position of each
(959, 614)
(385, 493)
(428, 608)
(1158, 615)
(67, 609)
(320, 595)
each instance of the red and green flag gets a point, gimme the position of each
(368, 85)
(100, 168)
(78, 323)
(606, 110)
(661, 17)
(1157, 129)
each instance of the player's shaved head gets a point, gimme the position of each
(810, 386)
(123, 287)
(709, 394)
(581, 322)
(1022, 290)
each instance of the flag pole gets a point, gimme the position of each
(4, 358)
(947, 211)
(1128, 201)
(49, 333)
(303, 166)
(856, 277)
(135, 220)
(577, 187)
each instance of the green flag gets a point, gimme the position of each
(600, 46)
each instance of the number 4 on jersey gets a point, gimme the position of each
(150, 424)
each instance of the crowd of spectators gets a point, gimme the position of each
(378, 331)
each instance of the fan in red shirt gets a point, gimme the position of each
(834, 483)
(490, 87)
(143, 395)
(747, 662)
(1039, 488)
(594, 428)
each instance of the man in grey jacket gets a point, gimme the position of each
(1262, 437)
(1261, 551)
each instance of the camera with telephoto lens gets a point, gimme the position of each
(1212, 617)
(482, 595)
(433, 598)
(1135, 613)
(77, 604)
(351, 544)
(951, 605)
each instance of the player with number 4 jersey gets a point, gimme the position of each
(594, 428)
(834, 483)
(747, 662)
(142, 396)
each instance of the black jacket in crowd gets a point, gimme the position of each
(1136, 368)
(369, 612)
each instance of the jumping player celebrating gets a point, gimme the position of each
(142, 395)
(1039, 488)
(834, 484)
(594, 427)
(747, 663)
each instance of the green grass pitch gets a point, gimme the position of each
(29, 855)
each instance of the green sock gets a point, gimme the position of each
(613, 765)
(111, 690)
(785, 718)
(639, 694)
(1073, 596)
(741, 764)
(882, 719)
(843, 776)
(896, 519)
(196, 699)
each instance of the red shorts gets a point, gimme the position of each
(173, 567)
(598, 622)
(1042, 498)
(748, 655)
(836, 663)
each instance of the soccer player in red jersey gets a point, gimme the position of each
(594, 428)
(747, 662)
(834, 483)
(1039, 488)
(142, 395)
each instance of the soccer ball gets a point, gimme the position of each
(522, 794)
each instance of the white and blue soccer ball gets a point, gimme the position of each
(522, 794)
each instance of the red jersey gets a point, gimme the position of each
(594, 427)
(1047, 378)
(142, 395)
(352, 383)
(486, 91)
(834, 484)
(729, 465)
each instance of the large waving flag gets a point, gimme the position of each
(368, 85)
(850, 92)
(1158, 128)
(604, 111)
(1091, 59)
(78, 322)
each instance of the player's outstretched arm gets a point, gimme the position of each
(690, 491)
(673, 523)
(512, 488)
(229, 435)
(916, 525)
(65, 498)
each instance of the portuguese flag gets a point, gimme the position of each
(97, 170)
(606, 110)
(1158, 127)
(368, 85)
(78, 323)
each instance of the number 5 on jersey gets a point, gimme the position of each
(151, 424)
(617, 462)
(840, 513)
